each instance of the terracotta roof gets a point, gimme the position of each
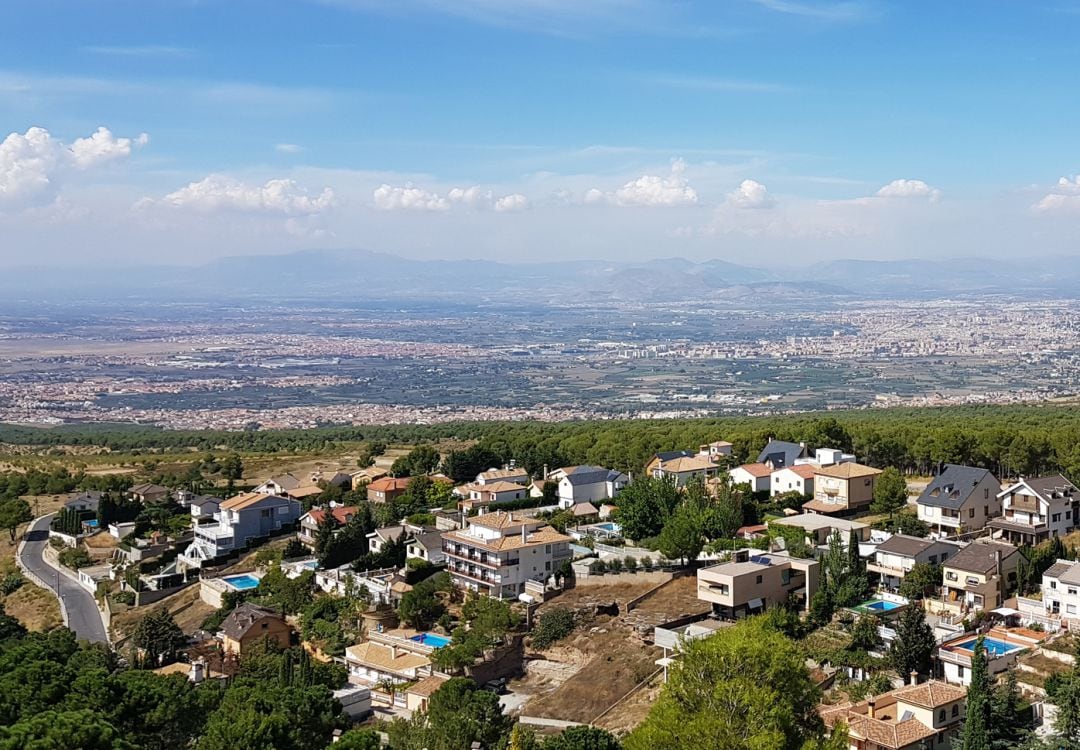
(543, 535)
(499, 519)
(427, 686)
(247, 499)
(583, 509)
(889, 728)
(497, 486)
(305, 491)
(806, 471)
(687, 463)
(383, 657)
(756, 470)
(849, 470)
(341, 513)
(390, 484)
(824, 508)
(503, 473)
(930, 694)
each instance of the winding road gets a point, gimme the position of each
(81, 611)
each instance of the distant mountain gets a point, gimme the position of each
(367, 276)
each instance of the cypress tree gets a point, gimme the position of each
(976, 731)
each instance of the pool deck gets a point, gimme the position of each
(956, 651)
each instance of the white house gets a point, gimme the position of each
(798, 478)
(240, 519)
(505, 474)
(1061, 592)
(897, 555)
(758, 476)
(587, 484)
(1034, 510)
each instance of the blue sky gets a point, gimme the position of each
(538, 128)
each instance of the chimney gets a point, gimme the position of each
(914, 677)
(545, 471)
(198, 671)
(523, 533)
(870, 707)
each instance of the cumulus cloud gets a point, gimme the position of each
(909, 189)
(512, 202)
(751, 194)
(651, 190)
(32, 164)
(474, 196)
(408, 198)
(1064, 197)
(222, 193)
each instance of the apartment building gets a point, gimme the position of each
(753, 581)
(498, 552)
(960, 498)
(1034, 510)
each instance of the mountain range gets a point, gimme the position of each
(366, 276)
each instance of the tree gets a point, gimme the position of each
(890, 492)
(583, 738)
(922, 580)
(420, 460)
(61, 730)
(359, 739)
(257, 715)
(914, 643)
(975, 734)
(159, 637)
(865, 635)
(421, 607)
(325, 530)
(458, 714)
(13, 513)
(683, 534)
(522, 738)
(747, 686)
(1009, 721)
(645, 505)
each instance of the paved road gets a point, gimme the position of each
(82, 613)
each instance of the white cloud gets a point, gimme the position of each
(32, 164)
(751, 194)
(651, 190)
(513, 202)
(474, 196)
(288, 148)
(408, 198)
(909, 189)
(836, 11)
(222, 193)
(1064, 197)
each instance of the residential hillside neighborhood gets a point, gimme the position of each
(572, 595)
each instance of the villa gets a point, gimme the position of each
(897, 555)
(397, 656)
(978, 577)
(587, 484)
(310, 522)
(777, 454)
(249, 625)
(750, 583)
(239, 520)
(960, 496)
(915, 717)
(1035, 510)
(685, 469)
(842, 489)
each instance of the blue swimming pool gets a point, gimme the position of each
(92, 523)
(993, 647)
(431, 639)
(611, 528)
(242, 582)
(877, 605)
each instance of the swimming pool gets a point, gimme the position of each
(242, 582)
(878, 605)
(431, 639)
(993, 647)
(92, 523)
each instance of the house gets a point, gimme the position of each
(753, 581)
(308, 528)
(379, 538)
(897, 555)
(1034, 510)
(418, 695)
(818, 528)
(240, 519)
(505, 474)
(798, 478)
(249, 625)
(491, 493)
(777, 454)
(685, 469)
(148, 494)
(298, 488)
(716, 450)
(387, 489)
(587, 484)
(827, 457)
(914, 717)
(758, 476)
(959, 497)
(498, 552)
(1004, 646)
(1061, 592)
(662, 457)
(842, 489)
(88, 501)
(396, 656)
(978, 577)
(426, 545)
(200, 506)
(363, 477)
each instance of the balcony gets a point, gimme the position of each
(486, 580)
(476, 557)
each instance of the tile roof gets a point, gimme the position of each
(427, 686)
(980, 557)
(902, 544)
(500, 519)
(806, 471)
(503, 473)
(384, 658)
(248, 499)
(148, 489)
(341, 513)
(688, 463)
(390, 484)
(756, 470)
(543, 535)
(953, 486)
(1053, 486)
(893, 726)
(931, 694)
(849, 470)
(244, 617)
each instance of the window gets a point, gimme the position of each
(1053, 584)
(941, 716)
(759, 579)
(986, 493)
(971, 512)
(1072, 591)
(1056, 517)
(547, 548)
(933, 559)
(1070, 609)
(986, 510)
(955, 710)
(960, 672)
(547, 565)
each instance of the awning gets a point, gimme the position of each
(1005, 611)
(755, 604)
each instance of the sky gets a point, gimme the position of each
(756, 131)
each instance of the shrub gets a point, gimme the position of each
(11, 583)
(647, 563)
(551, 627)
(630, 563)
(598, 568)
(615, 565)
(124, 597)
(74, 558)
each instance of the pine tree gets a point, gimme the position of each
(914, 643)
(975, 734)
(1008, 728)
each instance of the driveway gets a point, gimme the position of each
(82, 612)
